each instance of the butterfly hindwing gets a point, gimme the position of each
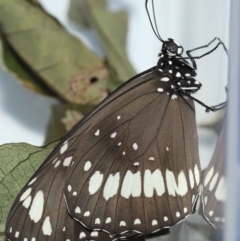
(137, 166)
(214, 184)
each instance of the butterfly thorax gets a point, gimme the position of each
(176, 71)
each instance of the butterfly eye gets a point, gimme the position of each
(172, 48)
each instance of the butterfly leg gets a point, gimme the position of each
(220, 42)
(192, 58)
(221, 105)
(217, 107)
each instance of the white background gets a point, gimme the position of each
(24, 115)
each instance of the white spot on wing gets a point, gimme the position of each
(165, 218)
(151, 158)
(111, 186)
(131, 185)
(197, 174)
(75, 193)
(64, 147)
(119, 143)
(177, 214)
(27, 202)
(108, 220)
(122, 223)
(67, 161)
(210, 213)
(87, 166)
(220, 193)
(86, 214)
(26, 194)
(159, 89)
(64, 228)
(185, 210)
(113, 135)
(187, 75)
(57, 164)
(54, 160)
(97, 133)
(174, 97)
(137, 221)
(36, 210)
(167, 149)
(191, 179)
(94, 233)
(97, 221)
(178, 74)
(135, 146)
(33, 180)
(95, 182)
(213, 182)
(124, 153)
(118, 117)
(181, 189)
(69, 188)
(16, 234)
(208, 176)
(77, 210)
(154, 222)
(47, 227)
(153, 181)
(82, 235)
(10, 230)
(170, 62)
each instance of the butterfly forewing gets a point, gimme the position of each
(137, 166)
(214, 184)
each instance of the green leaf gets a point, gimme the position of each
(49, 54)
(23, 73)
(111, 28)
(76, 14)
(18, 162)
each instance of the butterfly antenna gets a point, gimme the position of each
(154, 28)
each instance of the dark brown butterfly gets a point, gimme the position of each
(131, 166)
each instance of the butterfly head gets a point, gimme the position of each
(172, 48)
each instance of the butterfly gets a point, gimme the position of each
(131, 166)
(214, 184)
